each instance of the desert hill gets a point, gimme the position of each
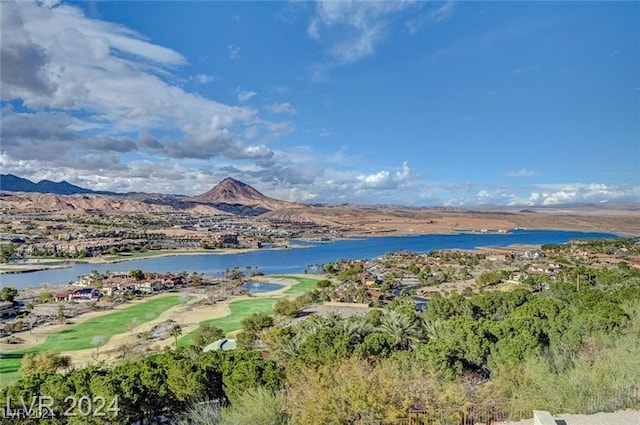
(43, 202)
(236, 197)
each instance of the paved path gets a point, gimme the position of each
(626, 417)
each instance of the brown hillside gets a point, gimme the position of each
(37, 202)
(232, 191)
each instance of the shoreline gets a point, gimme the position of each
(37, 266)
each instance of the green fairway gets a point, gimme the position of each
(245, 308)
(305, 284)
(239, 311)
(78, 337)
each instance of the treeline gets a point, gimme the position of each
(161, 386)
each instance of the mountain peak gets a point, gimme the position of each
(232, 191)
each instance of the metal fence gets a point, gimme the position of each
(612, 400)
(487, 413)
(498, 411)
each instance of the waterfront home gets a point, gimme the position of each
(80, 295)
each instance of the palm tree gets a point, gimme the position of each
(357, 328)
(332, 319)
(432, 328)
(404, 331)
(175, 332)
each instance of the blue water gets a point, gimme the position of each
(259, 287)
(297, 259)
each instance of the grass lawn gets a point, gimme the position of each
(305, 284)
(245, 308)
(78, 337)
(239, 311)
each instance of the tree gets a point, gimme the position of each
(175, 332)
(206, 334)
(7, 251)
(45, 296)
(251, 327)
(136, 274)
(30, 321)
(403, 330)
(288, 308)
(491, 277)
(257, 322)
(132, 325)
(8, 294)
(325, 283)
(60, 314)
(44, 361)
(97, 341)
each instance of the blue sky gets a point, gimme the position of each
(418, 103)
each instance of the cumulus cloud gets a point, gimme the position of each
(554, 194)
(246, 95)
(582, 192)
(386, 180)
(281, 108)
(88, 85)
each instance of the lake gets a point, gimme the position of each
(295, 260)
(261, 287)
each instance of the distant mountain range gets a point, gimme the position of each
(12, 183)
(229, 196)
(235, 197)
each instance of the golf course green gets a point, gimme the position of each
(79, 336)
(241, 309)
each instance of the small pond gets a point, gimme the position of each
(259, 287)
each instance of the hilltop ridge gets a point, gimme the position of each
(230, 193)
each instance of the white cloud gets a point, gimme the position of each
(246, 95)
(441, 13)
(281, 108)
(362, 25)
(377, 180)
(234, 52)
(523, 172)
(203, 78)
(551, 194)
(384, 179)
(352, 30)
(102, 78)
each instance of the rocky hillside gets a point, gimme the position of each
(39, 202)
(239, 198)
